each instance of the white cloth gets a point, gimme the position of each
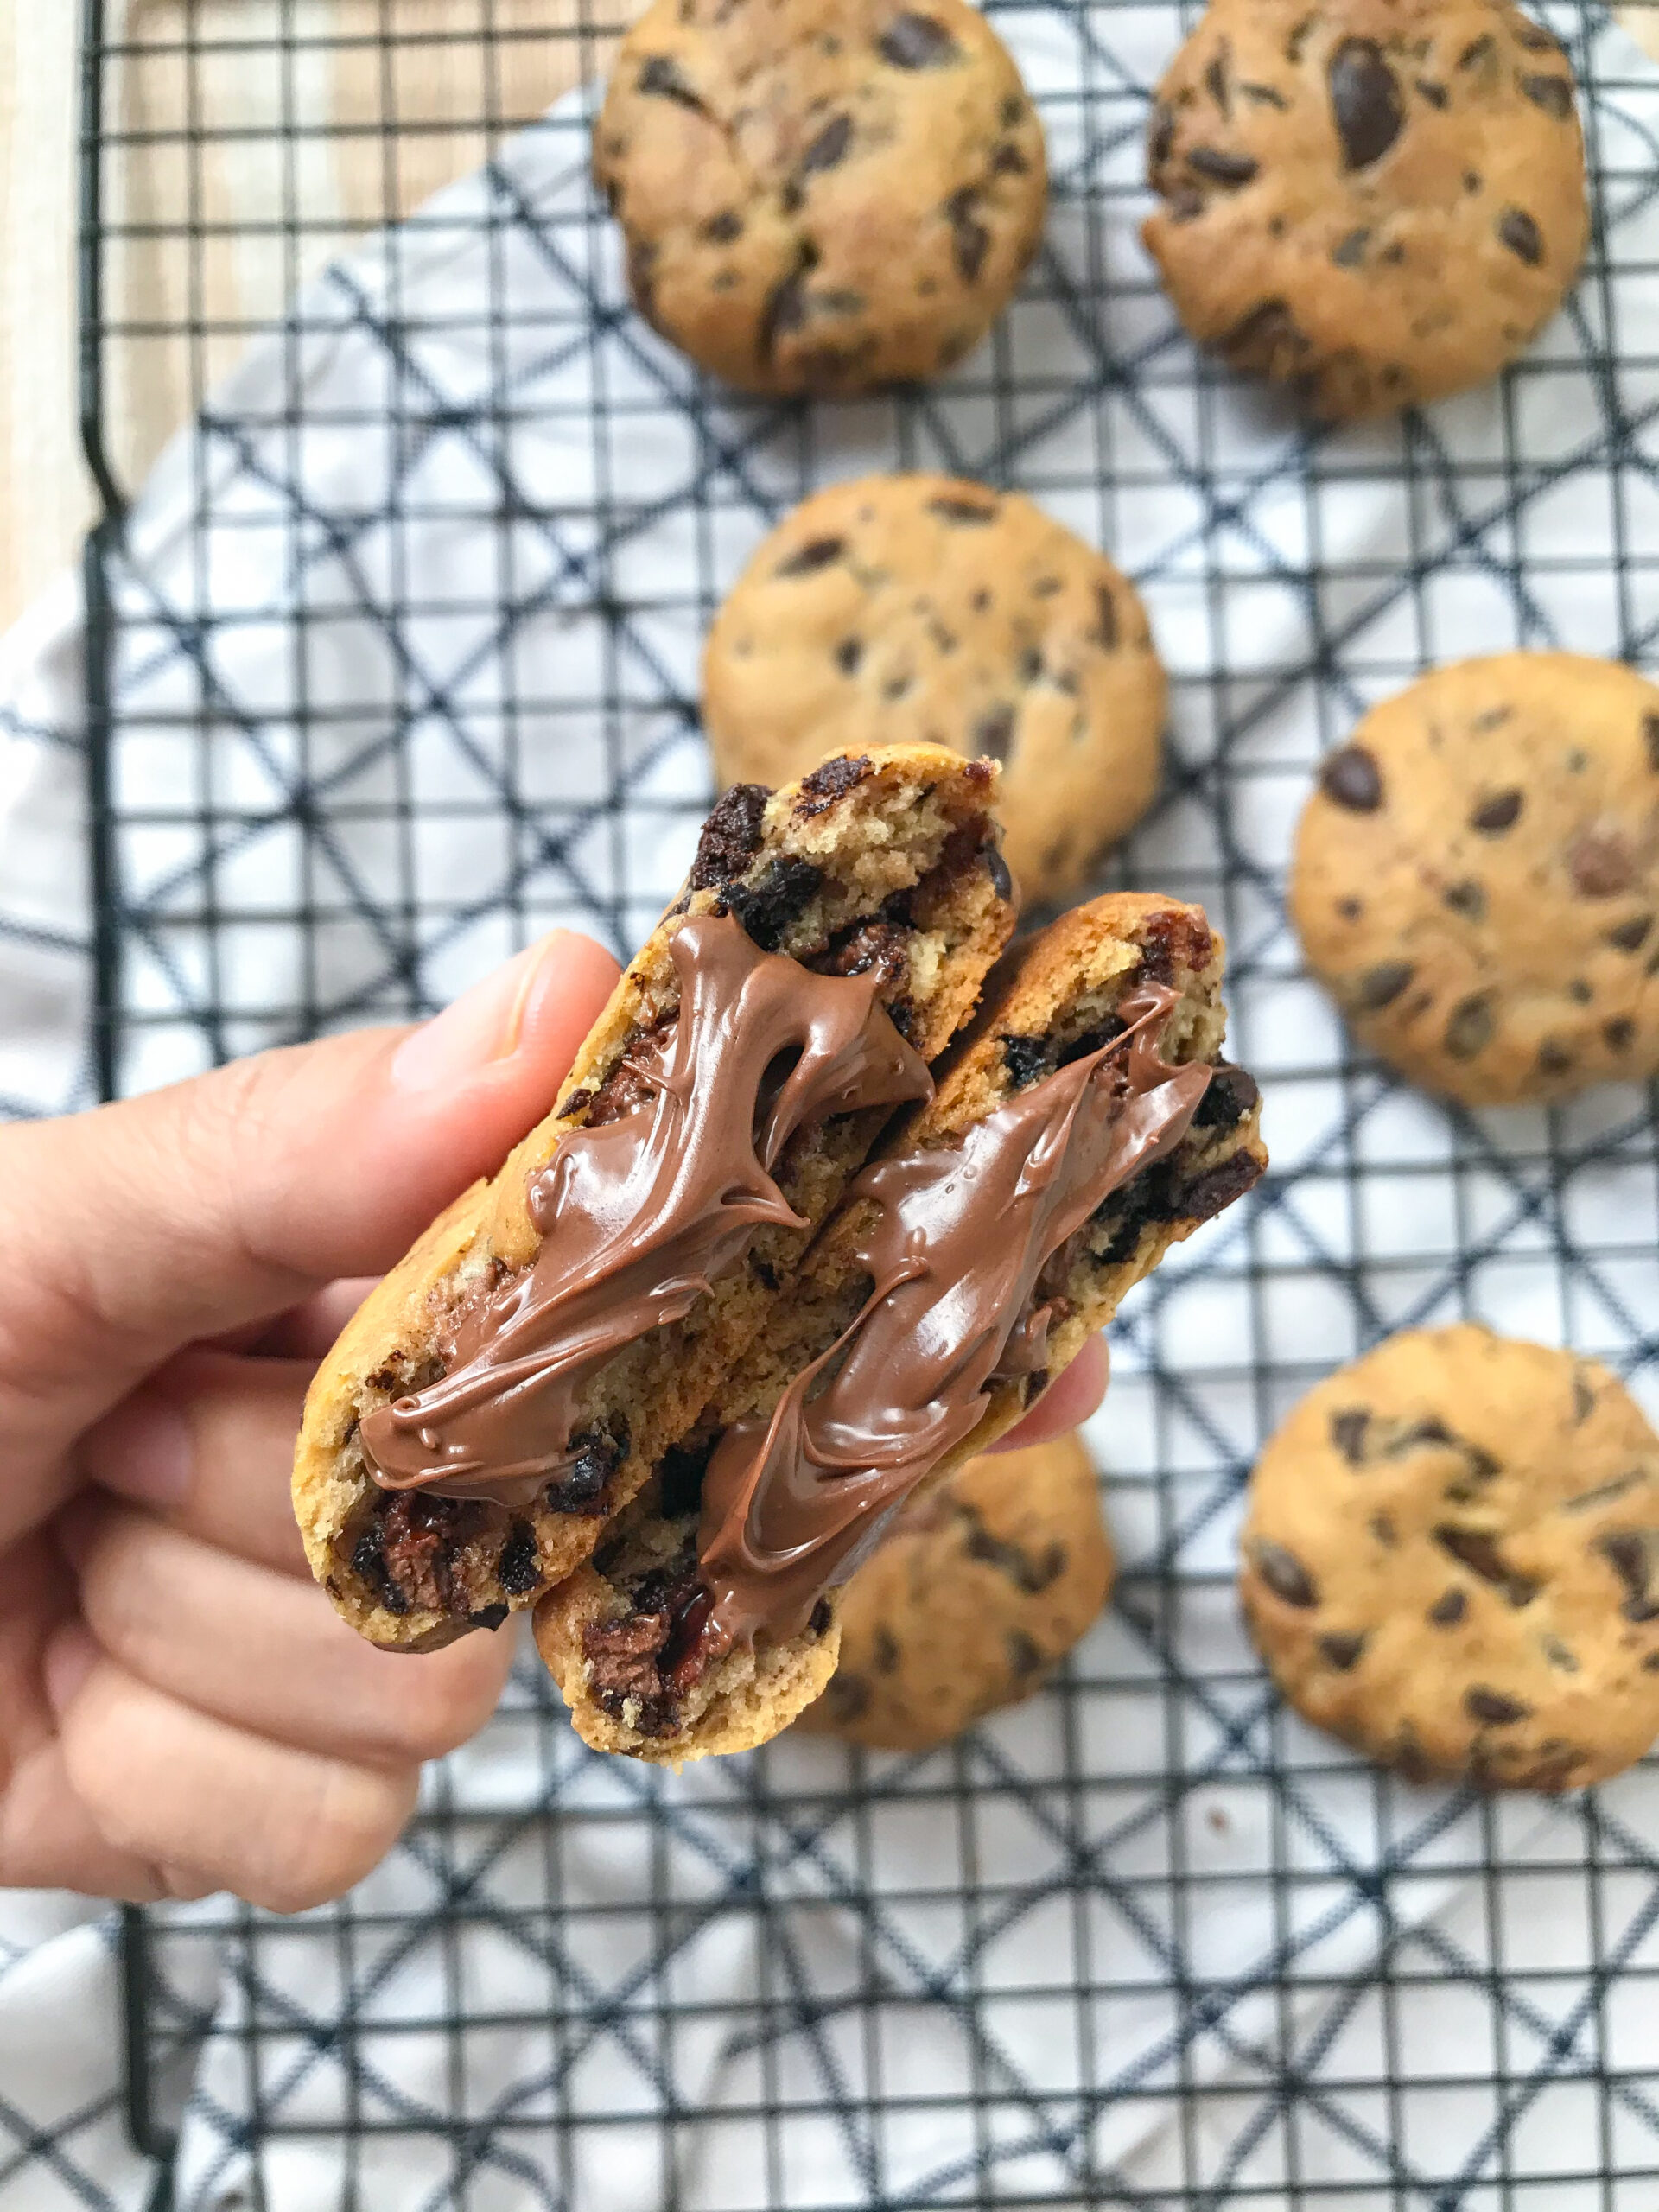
(1146, 1932)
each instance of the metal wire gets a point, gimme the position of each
(1439, 2002)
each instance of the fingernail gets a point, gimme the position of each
(149, 1452)
(483, 1024)
(70, 1656)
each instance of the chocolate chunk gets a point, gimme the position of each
(787, 887)
(997, 868)
(369, 1565)
(971, 512)
(1025, 1058)
(1230, 170)
(1600, 863)
(721, 229)
(854, 951)
(662, 78)
(1348, 252)
(1553, 94)
(825, 785)
(1478, 1550)
(807, 560)
(1633, 1554)
(518, 1570)
(1350, 778)
(1498, 813)
(731, 836)
(1365, 103)
(969, 239)
(819, 1619)
(1349, 1430)
(828, 148)
(994, 733)
(1517, 231)
(1467, 898)
(679, 1475)
(913, 41)
(1470, 1028)
(1230, 1094)
(488, 1617)
(1106, 633)
(581, 1488)
(1213, 1191)
(1342, 1652)
(1382, 985)
(1492, 1707)
(1449, 1609)
(1631, 936)
(1284, 1575)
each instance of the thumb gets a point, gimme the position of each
(136, 1229)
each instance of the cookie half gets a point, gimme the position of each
(820, 195)
(1084, 1125)
(985, 1584)
(511, 1383)
(1373, 201)
(952, 615)
(1451, 1561)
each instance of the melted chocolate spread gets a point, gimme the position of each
(960, 1237)
(637, 1217)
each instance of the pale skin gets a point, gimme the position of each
(181, 1709)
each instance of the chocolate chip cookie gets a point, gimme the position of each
(930, 606)
(1452, 1561)
(1477, 877)
(1374, 201)
(821, 198)
(985, 1585)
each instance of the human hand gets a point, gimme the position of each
(181, 1708)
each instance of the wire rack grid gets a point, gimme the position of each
(392, 666)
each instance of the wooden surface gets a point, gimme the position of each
(349, 171)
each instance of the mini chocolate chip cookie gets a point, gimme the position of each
(1375, 202)
(916, 604)
(1452, 1561)
(986, 1583)
(1477, 877)
(821, 198)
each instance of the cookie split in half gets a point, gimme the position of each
(950, 614)
(1373, 201)
(985, 1584)
(509, 1385)
(1451, 1561)
(820, 195)
(1084, 1124)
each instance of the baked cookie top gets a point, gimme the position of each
(1377, 202)
(1477, 877)
(1452, 1561)
(821, 197)
(933, 607)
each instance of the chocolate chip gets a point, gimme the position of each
(1228, 1097)
(1498, 813)
(1348, 252)
(1475, 55)
(1342, 1652)
(1478, 1550)
(1600, 863)
(1284, 1575)
(721, 229)
(1382, 985)
(1382, 1527)
(1347, 1432)
(1350, 778)
(1215, 76)
(1212, 1192)
(679, 1476)
(970, 513)
(1558, 1655)
(1630, 937)
(1009, 161)
(519, 1568)
(1467, 898)
(1553, 94)
(1651, 740)
(969, 239)
(1106, 634)
(1517, 231)
(885, 1652)
(731, 836)
(1436, 95)
(662, 78)
(819, 1619)
(787, 887)
(1001, 881)
(1025, 1657)
(807, 560)
(1618, 1035)
(1365, 103)
(912, 42)
(1230, 170)
(1555, 1057)
(581, 1488)
(1492, 1707)
(994, 733)
(828, 148)
(1449, 1609)
(785, 307)
(1161, 136)
(848, 1697)
(1470, 1028)
(369, 1565)
(830, 780)
(1025, 1058)
(1633, 1554)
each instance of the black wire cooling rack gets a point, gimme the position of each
(390, 666)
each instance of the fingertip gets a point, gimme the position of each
(70, 1654)
(1075, 1394)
